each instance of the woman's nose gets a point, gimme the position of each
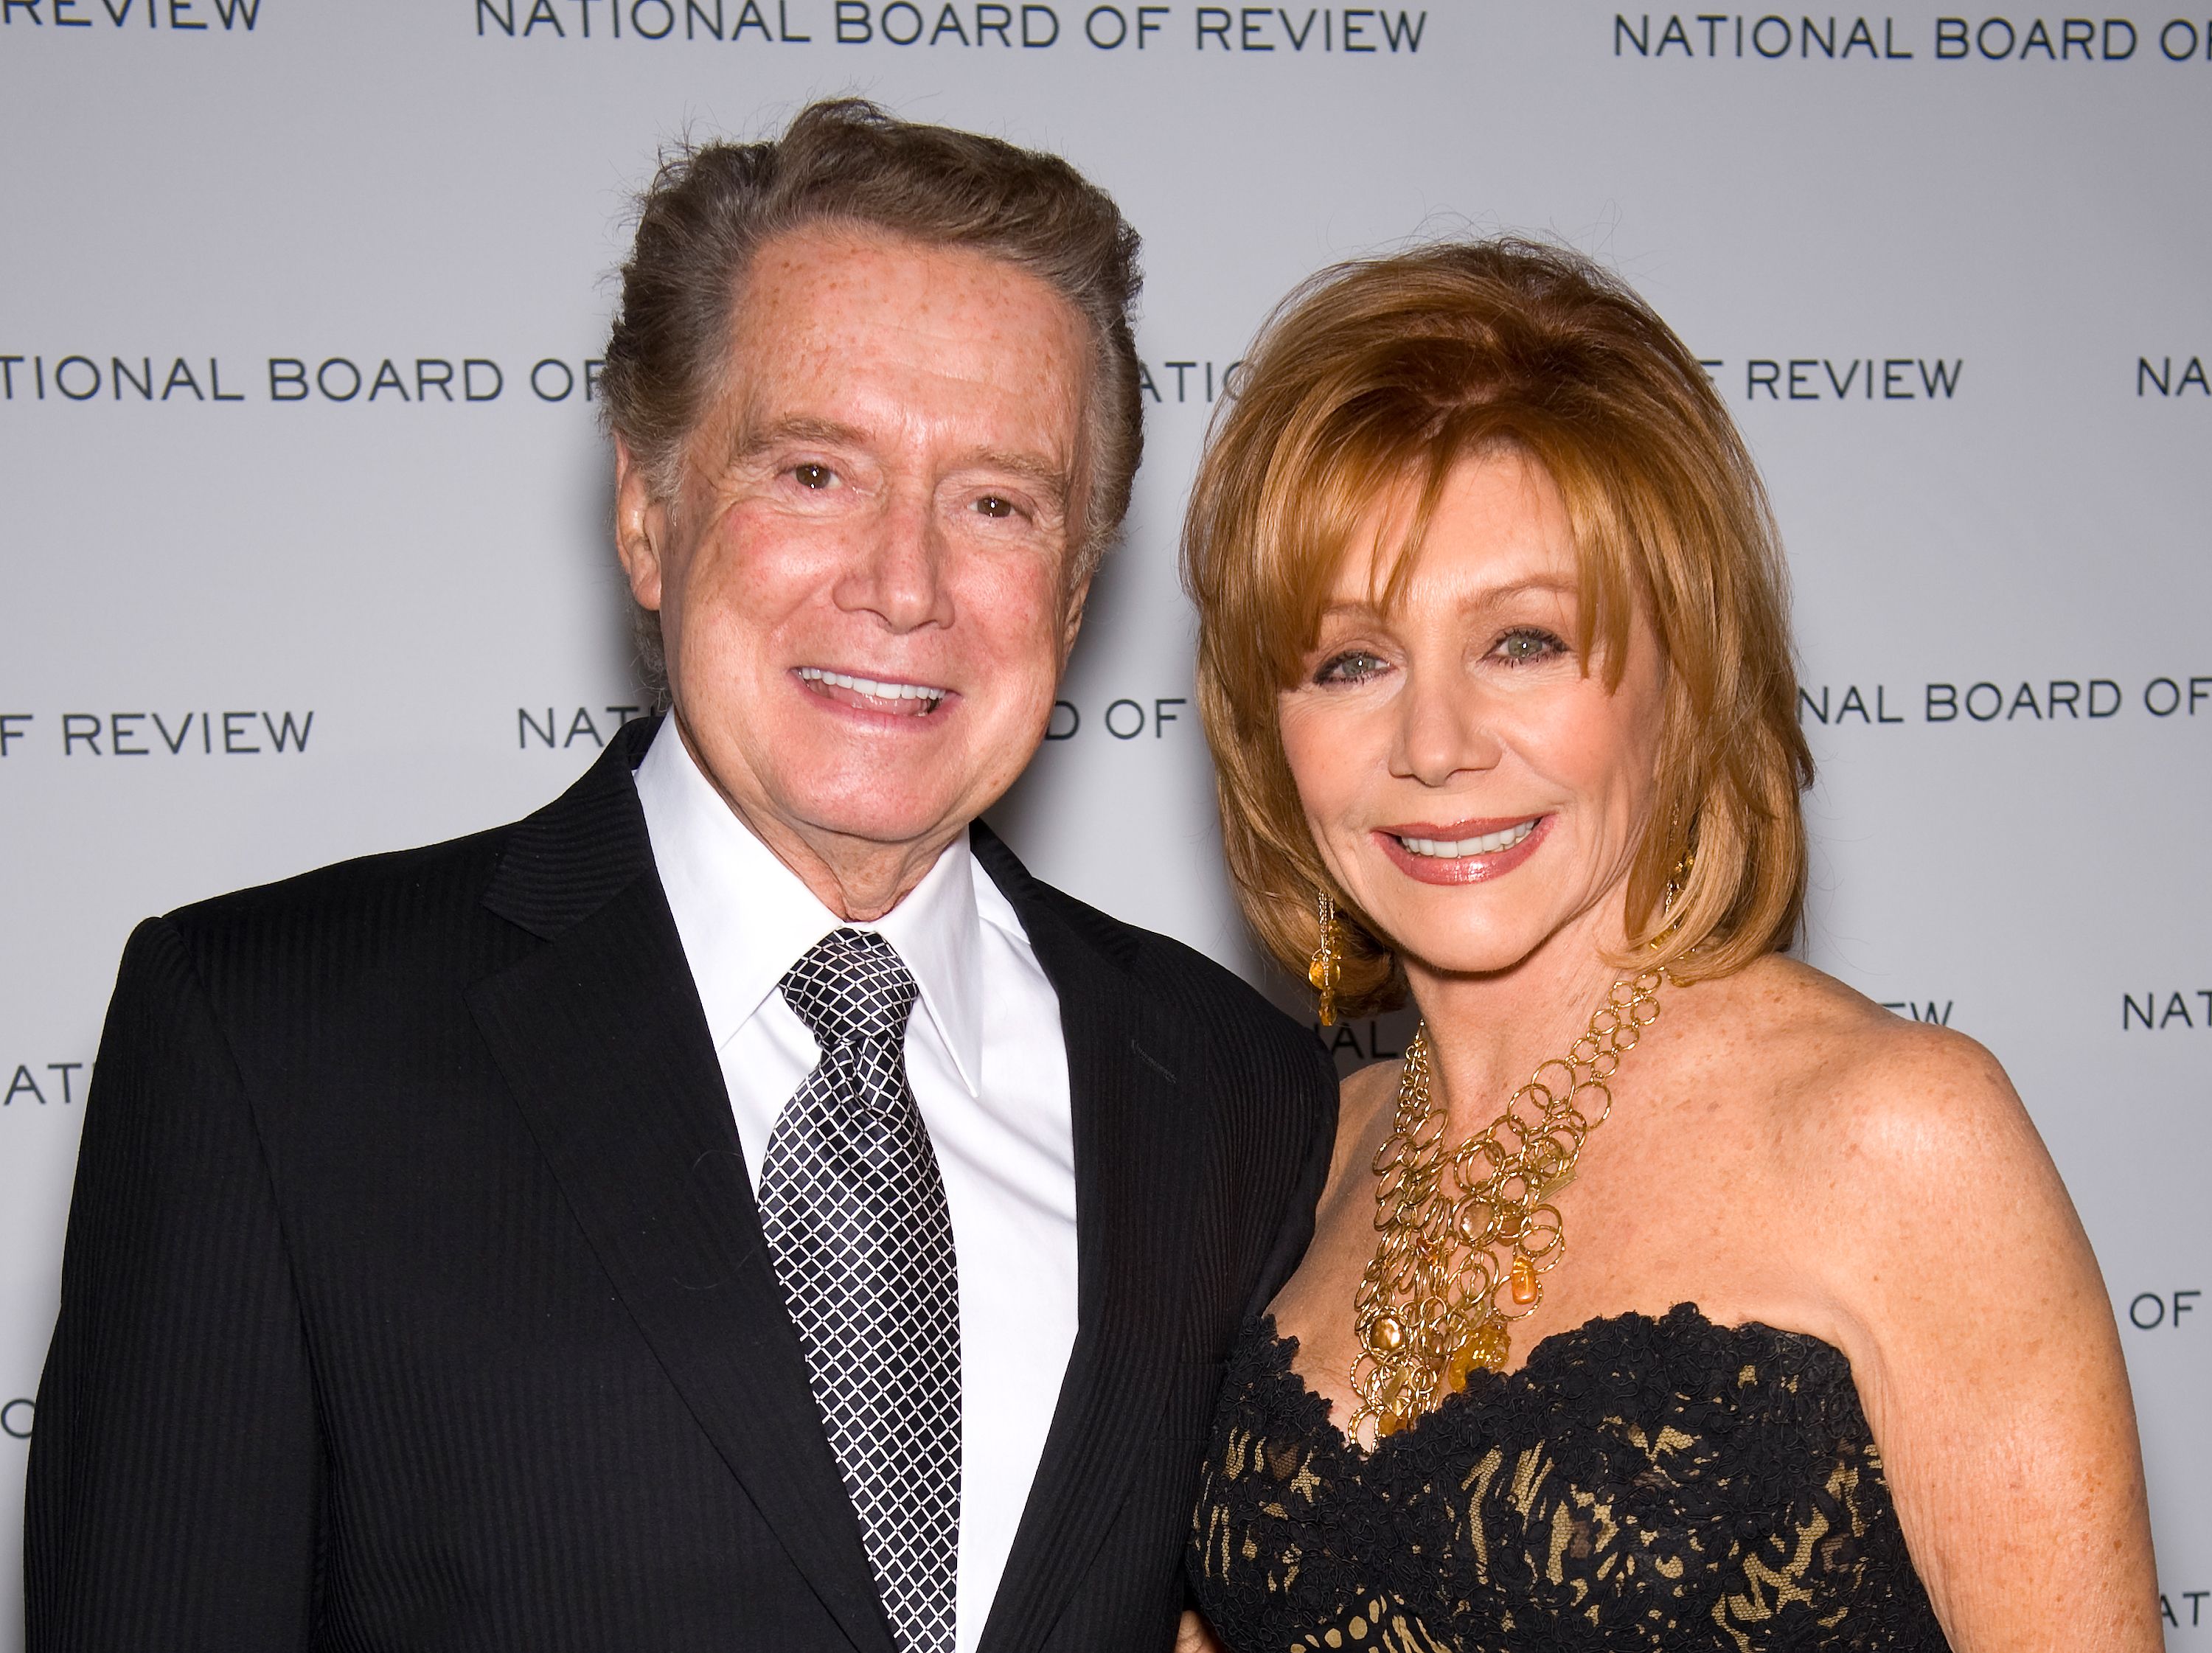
(1443, 731)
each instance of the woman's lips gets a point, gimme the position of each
(1462, 852)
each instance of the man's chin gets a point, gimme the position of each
(889, 798)
(884, 822)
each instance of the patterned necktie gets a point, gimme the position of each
(853, 1209)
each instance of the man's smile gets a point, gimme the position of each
(864, 694)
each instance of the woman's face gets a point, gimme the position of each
(1470, 784)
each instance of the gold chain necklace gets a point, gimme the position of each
(1461, 1226)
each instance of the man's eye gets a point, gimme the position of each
(817, 476)
(1353, 666)
(995, 505)
(1526, 645)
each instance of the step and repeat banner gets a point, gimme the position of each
(304, 507)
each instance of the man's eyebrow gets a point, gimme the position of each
(1049, 479)
(755, 439)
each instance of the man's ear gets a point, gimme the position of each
(1076, 599)
(641, 527)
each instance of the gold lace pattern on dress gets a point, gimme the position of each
(1663, 1484)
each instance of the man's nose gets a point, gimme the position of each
(898, 570)
(1443, 729)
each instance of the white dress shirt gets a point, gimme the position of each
(988, 1067)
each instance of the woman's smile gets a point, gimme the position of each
(1466, 851)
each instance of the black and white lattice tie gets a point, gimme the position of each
(853, 1209)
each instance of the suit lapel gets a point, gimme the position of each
(601, 1039)
(1131, 1154)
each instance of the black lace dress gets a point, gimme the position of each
(1639, 1484)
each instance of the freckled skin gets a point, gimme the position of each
(1781, 1150)
(889, 487)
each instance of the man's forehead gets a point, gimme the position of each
(1031, 427)
(860, 339)
(825, 279)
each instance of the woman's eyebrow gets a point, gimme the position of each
(1482, 596)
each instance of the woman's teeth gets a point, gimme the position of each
(1455, 849)
(874, 689)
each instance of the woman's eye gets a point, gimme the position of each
(1526, 645)
(1353, 666)
(815, 476)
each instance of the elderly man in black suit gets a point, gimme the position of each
(737, 1207)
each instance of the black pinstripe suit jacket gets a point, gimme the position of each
(415, 1296)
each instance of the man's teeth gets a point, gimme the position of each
(1454, 848)
(871, 687)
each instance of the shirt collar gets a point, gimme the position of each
(745, 918)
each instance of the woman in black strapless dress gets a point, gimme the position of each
(1641, 1483)
(1496, 664)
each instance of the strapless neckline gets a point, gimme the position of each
(1552, 1353)
(1654, 1484)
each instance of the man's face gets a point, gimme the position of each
(864, 583)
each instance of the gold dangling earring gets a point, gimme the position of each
(1677, 881)
(1327, 968)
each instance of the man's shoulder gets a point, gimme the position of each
(581, 841)
(363, 899)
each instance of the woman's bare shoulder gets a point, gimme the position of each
(1876, 1111)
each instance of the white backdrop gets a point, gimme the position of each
(267, 601)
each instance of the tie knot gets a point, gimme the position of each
(851, 988)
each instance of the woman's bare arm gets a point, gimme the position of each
(1193, 1636)
(1987, 1357)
